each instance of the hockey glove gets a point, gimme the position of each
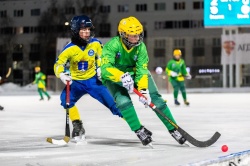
(65, 77)
(188, 76)
(127, 82)
(98, 73)
(173, 74)
(145, 99)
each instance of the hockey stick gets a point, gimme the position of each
(8, 73)
(3, 79)
(66, 138)
(188, 137)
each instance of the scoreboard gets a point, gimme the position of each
(222, 13)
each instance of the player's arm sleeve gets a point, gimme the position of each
(141, 75)
(109, 71)
(62, 59)
(184, 69)
(43, 77)
(99, 54)
(168, 68)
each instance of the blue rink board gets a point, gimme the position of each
(220, 159)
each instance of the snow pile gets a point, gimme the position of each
(11, 88)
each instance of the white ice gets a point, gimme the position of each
(26, 122)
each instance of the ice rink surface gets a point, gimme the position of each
(27, 122)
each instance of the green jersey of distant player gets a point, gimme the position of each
(177, 72)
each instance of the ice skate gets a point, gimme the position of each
(78, 132)
(176, 102)
(186, 103)
(177, 136)
(144, 135)
(149, 133)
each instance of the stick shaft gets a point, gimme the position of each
(67, 129)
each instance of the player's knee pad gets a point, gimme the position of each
(158, 101)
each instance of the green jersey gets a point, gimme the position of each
(178, 67)
(40, 80)
(116, 60)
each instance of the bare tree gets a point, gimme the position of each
(51, 25)
(91, 8)
(8, 40)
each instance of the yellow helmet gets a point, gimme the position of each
(130, 26)
(37, 69)
(177, 52)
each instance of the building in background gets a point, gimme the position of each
(29, 29)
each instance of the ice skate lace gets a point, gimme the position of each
(142, 135)
(176, 134)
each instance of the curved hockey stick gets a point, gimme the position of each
(8, 73)
(188, 137)
(66, 138)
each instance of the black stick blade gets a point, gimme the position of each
(198, 143)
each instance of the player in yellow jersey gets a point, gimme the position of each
(82, 54)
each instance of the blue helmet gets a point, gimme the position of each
(78, 22)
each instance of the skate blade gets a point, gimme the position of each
(80, 140)
(150, 145)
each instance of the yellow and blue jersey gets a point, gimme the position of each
(83, 60)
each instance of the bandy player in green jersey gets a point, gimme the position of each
(176, 70)
(124, 66)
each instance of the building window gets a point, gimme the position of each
(160, 52)
(160, 43)
(2, 48)
(70, 10)
(160, 46)
(18, 52)
(18, 13)
(105, 9)
(180, 44)
(216, 50)
(122, 8)
(198, 5)
(105, 30)
(186, 24)
(8, 30)
(35, 12)
(197, 24)
(34, 54)
(160, 6)
(200, 42)
(141, 7)
(3, 14)
(199, 51)
(26, 29)
(179, 5)
(87, 9)
(216, 42)
(34, 47)
(181, 24)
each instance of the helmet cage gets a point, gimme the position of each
(125, 40)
